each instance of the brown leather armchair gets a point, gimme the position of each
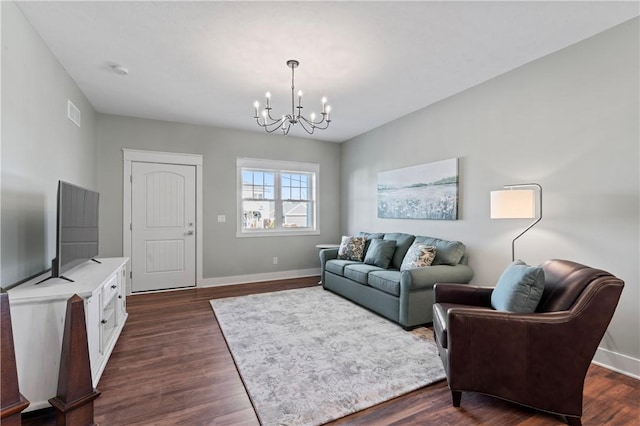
(539, 360)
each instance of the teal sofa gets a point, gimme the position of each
(405, 297)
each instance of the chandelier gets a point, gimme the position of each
(285, 123)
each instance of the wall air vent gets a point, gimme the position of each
(73, 113)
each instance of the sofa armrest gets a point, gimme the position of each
(325, 255)
(328, 254)
(463, 294)
(423, 278)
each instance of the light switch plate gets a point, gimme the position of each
(222, 218)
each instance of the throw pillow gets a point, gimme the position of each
(380, 252)
(351, 248)
(403, 242)
(369, 236)
(519, 288)
(418, 256)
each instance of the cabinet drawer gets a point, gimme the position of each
(109, 290)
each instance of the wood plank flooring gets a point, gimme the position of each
(171, 366)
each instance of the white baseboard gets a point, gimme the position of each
(617, 362)
(253, 278)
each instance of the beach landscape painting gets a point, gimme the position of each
(425, 191)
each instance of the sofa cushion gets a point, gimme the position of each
(418, 256)
(519, 288)
(351, 248)
(386, 281)
(336, 266)
(380, 253)
(359, 271)
(447, 252)
(403, 242)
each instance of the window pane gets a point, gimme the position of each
(295, 193)
(296, 214)
(269, 192)
(269, 178)
(258, 184)
(286, 179)
(286, 193)
(258, 178)
(304, 194)
(258, 215)
(247, 177)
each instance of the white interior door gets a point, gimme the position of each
(163, 213)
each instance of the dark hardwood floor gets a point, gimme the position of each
(171, 366)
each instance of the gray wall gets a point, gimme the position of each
(39, 146)
(223, 254)
(568, 121)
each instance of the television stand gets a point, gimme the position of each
(51, 277)
(62, 276)
(38, 313)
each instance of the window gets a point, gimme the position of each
(277, 197)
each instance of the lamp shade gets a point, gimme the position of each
(513, 204)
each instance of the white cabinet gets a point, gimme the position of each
(38, 314)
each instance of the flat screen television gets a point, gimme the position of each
(76, 228)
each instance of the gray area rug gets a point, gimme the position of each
(307, 356)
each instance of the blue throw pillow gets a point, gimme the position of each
(403, 242)
(369, 236)
(380, 253)
(519, 288)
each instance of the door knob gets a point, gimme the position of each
(189, 232)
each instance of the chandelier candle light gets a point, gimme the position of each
(285, 123)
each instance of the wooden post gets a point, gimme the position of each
(11, 400)
(74, 402)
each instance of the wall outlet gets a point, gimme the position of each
(275, 260)
(222, 218)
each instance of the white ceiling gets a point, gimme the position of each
(207, 62)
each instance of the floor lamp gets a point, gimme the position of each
(517, 202)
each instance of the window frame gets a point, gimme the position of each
(279, 167)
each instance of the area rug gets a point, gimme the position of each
(308, 356)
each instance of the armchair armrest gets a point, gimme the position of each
(463, 294)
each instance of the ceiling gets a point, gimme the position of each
(207, 62)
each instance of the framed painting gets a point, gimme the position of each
(426, 191)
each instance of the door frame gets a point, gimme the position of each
(130, 156)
